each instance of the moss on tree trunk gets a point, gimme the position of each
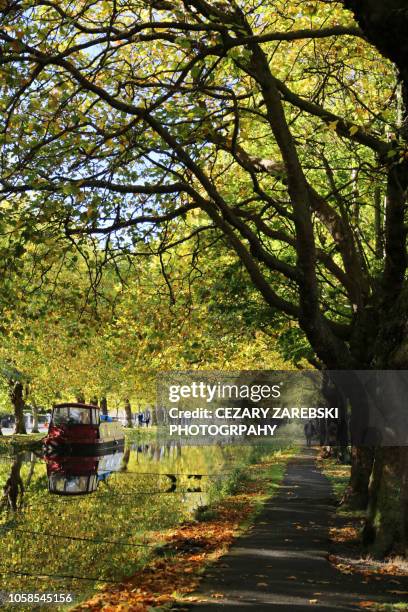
(386, 524)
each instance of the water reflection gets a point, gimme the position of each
(67, 523)
(80, 475)
(13, 489)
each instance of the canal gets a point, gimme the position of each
(70, 524)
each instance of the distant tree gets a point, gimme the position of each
(128, 413)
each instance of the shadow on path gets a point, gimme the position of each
(281, 563)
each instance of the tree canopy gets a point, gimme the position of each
(215, 137)
(271, 126)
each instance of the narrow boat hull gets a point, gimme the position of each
(94, 449)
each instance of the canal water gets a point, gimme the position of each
(69, 524)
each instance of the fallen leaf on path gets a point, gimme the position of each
(313, 601)
(191, 598)
(169, 581)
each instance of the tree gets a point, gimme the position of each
(14, 380)
(128, 412)
(17, 399)
(104, 405)
(176, 120)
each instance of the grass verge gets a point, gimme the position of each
(185, 552)
(19, 442)
(396, 607)
(141, 434)
(337, 474)
(347, 554)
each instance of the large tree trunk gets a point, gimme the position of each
(128, 412)
(17, 399)
(357, 492)
(334, 397)
(386, 524)
(104, 405)
(404, 499)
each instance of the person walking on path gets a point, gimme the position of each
(309, 432)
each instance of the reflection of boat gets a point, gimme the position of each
(73, 475)
(81, 428)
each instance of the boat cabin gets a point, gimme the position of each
(82, 427)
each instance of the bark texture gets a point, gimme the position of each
(386, 525)
(104, 405)
(128, 412)
(17, 399)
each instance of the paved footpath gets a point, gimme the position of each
(281, 564)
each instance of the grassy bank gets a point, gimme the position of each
(338, 475)
(348, 555)
(138, 435)
(177, 564)
(20, 442)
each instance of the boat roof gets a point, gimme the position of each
(76, 405)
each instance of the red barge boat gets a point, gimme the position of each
(81, 428)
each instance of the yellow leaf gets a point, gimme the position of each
(333, 125)
(353, 130)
